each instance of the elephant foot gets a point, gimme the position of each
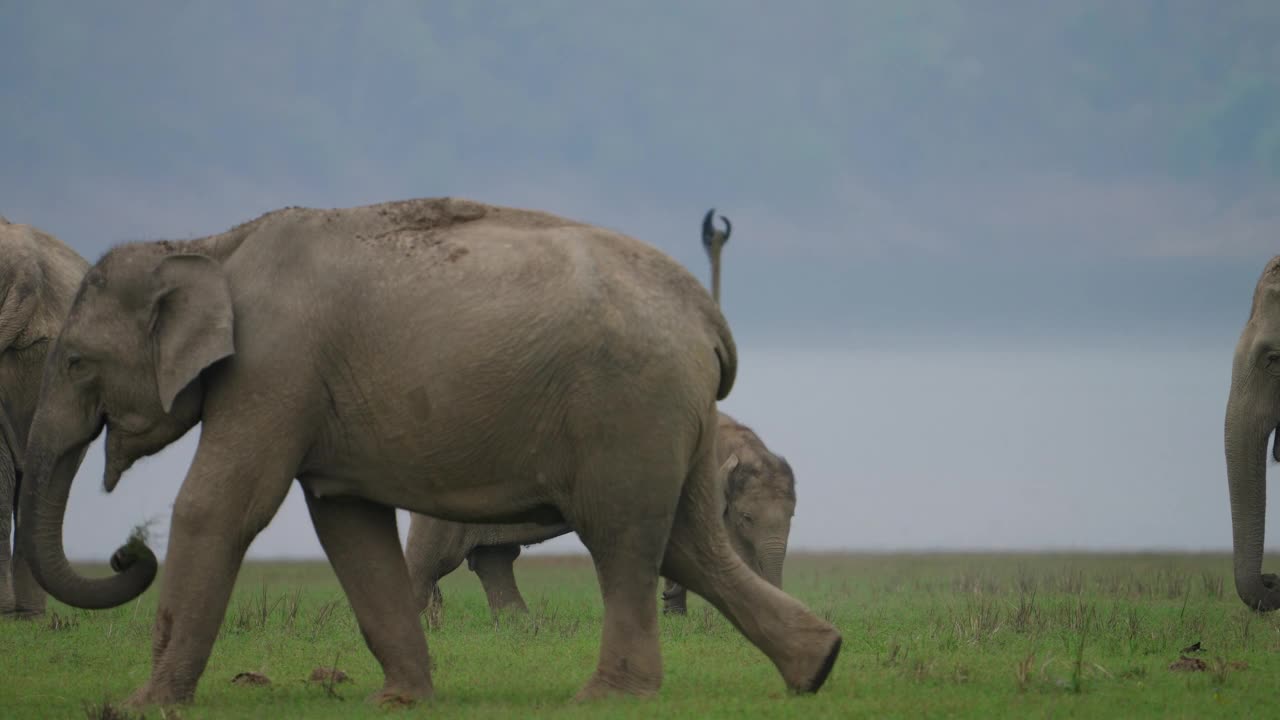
(513, 606)
(601, 686)
(807, 672)
(152, 695)
(507, 614)
(394, 698)
(23, 613)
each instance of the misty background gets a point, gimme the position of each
(989, 259)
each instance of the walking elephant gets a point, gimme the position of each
(452, 358)
(1253, 414)
(39, 275)
(760, 500)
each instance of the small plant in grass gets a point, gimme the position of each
(108, 711)
(1023, 671)
(61, 622)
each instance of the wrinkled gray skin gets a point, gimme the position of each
(760, 501)
(456, 359)
(1253, 413)
(39, 275)
(759, 495)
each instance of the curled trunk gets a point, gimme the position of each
(40, 517)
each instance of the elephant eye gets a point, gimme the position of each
(1271, 362)
(746, 518)
(76, 367)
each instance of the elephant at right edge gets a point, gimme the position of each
(1253, 414)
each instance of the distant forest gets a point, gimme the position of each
(739, 92)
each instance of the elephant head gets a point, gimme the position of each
(1253, 412)
(761, 500)
(143, 326)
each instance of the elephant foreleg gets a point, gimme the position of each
(6, 570)
(28, 598)
(494, 564)
(221, 507)
(8, 502)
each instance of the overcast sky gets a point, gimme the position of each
(988, 265)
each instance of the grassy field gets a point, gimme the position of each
(924, 636)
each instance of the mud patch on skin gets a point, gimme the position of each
(418, 222)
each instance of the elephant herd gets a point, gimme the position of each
(505, 375)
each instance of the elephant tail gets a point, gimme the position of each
(726, 354)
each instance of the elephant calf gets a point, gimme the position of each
(760, 500)
(39, 275)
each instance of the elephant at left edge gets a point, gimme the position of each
(449, 357)
(39, 275)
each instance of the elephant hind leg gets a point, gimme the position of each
(360, 539)
(699, 556)
(494, 564)
(626, 532)
(674, 598)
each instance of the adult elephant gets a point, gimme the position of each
(39, 275)
(1253, 413)
(457, 359)
(760, 500)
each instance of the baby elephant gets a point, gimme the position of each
(760, 499)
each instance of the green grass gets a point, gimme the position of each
(924, 636)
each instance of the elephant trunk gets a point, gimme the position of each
(42, 508)
(773, 552)
(1246, 434)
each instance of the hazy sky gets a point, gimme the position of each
(988, 263)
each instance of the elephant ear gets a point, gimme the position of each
(192, 319)
(19, 302)
(722, 479)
